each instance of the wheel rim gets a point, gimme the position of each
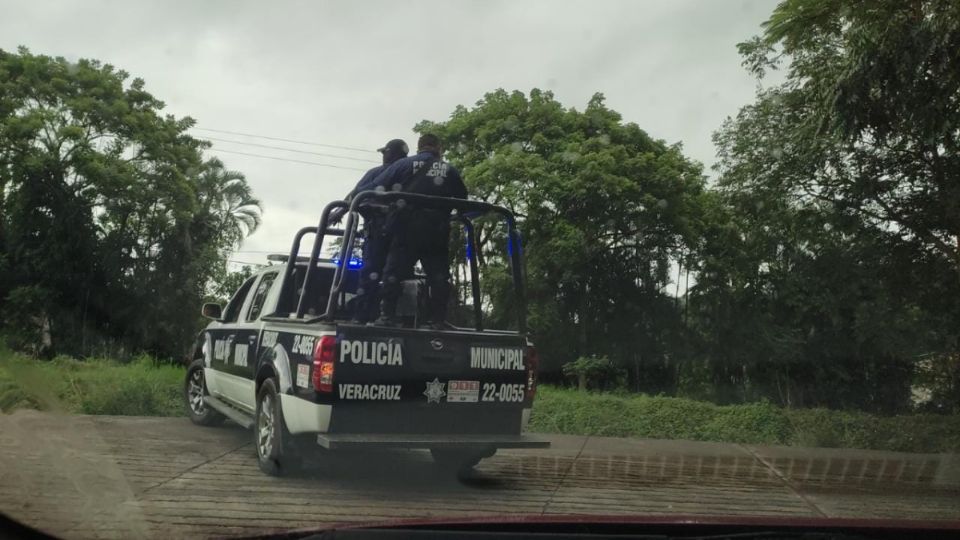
(265, 426)
(195, 392)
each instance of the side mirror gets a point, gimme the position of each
(212, 311)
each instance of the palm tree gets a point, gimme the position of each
(226, 199)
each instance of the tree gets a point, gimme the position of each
(874, 98)
(605, 209)
(109, 215)
(842, 186)
(226, 197)
(227, 283)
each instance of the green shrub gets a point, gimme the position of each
(568, 411)
(913, 433)
(12, 396)
(94, 386)
(755, 423)
(595, 372)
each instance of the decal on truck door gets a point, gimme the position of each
(240, 354)
(221, 349)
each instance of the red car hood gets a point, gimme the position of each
(676, 521)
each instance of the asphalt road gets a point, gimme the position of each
(122, 477)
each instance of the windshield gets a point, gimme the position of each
(721, 278)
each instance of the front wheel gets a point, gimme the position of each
(276, 455)
(194, 390)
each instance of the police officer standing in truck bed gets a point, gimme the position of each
(419, 234)
(375, 239)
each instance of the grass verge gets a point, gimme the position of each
(142, 388)
(93, 386)
(560, 410)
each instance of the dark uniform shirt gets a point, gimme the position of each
(374, 252)
(445, 180)
(419, 234)
(366, 181)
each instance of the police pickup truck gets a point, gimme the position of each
(283, 359)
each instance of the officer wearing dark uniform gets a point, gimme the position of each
(375, 240)
(419, 234)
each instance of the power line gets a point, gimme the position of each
(290, 160)
(283, 140)
(292, 150)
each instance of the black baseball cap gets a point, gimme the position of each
(396, 146)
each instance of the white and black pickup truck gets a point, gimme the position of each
(283, 358)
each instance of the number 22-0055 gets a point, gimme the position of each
(509, 393)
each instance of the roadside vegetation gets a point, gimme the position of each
(141, 387)
(144, 387)
(622, 414)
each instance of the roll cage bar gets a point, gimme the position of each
(466, 211)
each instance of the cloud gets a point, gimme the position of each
(360, 73)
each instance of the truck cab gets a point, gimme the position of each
(283, 358)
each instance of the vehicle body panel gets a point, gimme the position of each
(386, 380)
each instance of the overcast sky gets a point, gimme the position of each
(357, 73)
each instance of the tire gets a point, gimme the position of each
(276, 454)
(456, 460)
(194, 390)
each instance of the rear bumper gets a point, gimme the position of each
(365, 427)
(335, 441)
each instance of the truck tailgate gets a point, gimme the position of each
(389, 380)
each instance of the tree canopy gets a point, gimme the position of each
(112, 223)
(844, 183)
(604, 209)
(819, 269)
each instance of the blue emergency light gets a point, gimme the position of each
(353, 263)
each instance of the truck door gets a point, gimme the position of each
(243, 353)
(221, 338)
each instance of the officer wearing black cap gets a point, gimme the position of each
(419, 234)
(394, 150)
(375, 240)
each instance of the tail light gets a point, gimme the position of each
(324, 359)
(532, 363)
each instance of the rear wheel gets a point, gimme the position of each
(276, 454)
(194, 390)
